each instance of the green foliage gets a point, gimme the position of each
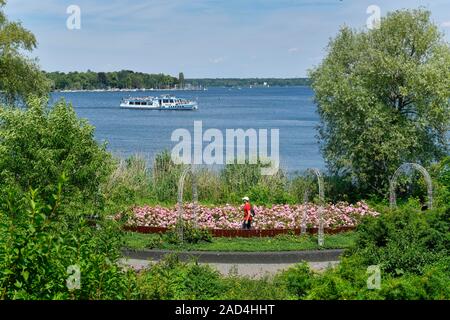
(124, 79)
(128, 183)
(181, 80)
(236, 82)
(246, 288)
(38, 243)
(441, 182)
(132, 182)
(383, 98)
(411, 247)
(190, 234)
(297, 279)
(165, 177)
(39, 144)
(404, 241)
(227, 185)
(237, 180)
(174, 280)
(20, 77)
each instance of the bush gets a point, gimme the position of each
(171, 279)
(39, 144)
(38, 244)
(441, 182)
(191, 234)
(246, 288)
(405, 240)
(297, 279)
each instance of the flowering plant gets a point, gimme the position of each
(275, 217)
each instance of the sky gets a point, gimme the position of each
(202, 38)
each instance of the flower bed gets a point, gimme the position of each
(229, 217)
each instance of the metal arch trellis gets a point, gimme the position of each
(318, 174)
(180, 223)
(400, 170)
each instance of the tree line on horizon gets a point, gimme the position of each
(127, 79)
(124, 79)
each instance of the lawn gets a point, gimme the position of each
(138, 241)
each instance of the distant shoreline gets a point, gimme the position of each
(170, 89)
(127, 90)
(127, 80)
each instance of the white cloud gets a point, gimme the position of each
(446, 24)
(293, 50)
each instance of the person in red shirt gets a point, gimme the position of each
(247, 213)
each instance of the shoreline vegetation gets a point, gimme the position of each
(127, 80)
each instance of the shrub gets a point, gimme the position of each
(441, 182)
(39, 144)
(246, 288)
(405, 240)
(38, 244)
(190, 234)
(171, 279)
(297, 279)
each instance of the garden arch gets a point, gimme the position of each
(402, 169)
(187, 170)
(316, 172)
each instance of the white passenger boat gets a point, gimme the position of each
(158, 103)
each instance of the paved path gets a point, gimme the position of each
(254, 270)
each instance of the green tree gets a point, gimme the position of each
(181, 80)
(383, 98)
(20, 77)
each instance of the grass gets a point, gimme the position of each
(279, 243)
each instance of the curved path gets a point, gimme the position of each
(253, 264)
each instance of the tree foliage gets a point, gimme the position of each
(124, 79)
(20, 77)
(246, 82)
(39, 144)
(383, 98)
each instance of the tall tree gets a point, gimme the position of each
(20, 77)
(181, 79)
(102, 79)
(383, 98)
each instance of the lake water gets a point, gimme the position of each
(289, 109)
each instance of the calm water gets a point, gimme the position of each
(147, 132)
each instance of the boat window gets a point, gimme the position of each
(131, 102)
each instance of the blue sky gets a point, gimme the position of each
(202, 38)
